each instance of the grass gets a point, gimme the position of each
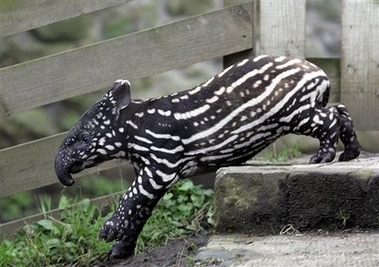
(288, 153)
(72, 239)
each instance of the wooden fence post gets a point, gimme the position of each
(280, 27)
(248, 15)
(360, 62)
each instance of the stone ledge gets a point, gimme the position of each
(263, 199)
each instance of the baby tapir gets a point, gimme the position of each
(224, 121)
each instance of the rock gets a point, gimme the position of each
(263, 199)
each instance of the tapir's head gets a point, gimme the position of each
(95, 137)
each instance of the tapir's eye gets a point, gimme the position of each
(85, 138)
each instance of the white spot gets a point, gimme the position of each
(257, 84)
(220, 91)
(164, 113)
(132, 124)
(109, 147)
(101, 141)
(175, 100)
(107, 122)
(279, 59)
(194, 91)
(243, 62)
(151, 111)
(102, 151)
(212, 100)
(109, 135)
(121, 130)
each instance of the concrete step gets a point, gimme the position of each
(319, 249)
(263, 198)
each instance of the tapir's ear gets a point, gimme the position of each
(120, 93)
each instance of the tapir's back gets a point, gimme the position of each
(238, 112)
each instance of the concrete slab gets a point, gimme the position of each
(261, 199)
(343, 249)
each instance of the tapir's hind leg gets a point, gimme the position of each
(347, 135)
(327, 124)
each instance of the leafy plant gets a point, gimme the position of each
(286, 154)
(72, 239)
(184, 210)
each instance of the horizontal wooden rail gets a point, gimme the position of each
(93, 67)
(8, 229)
(16, 16)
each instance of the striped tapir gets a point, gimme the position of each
(224, 121)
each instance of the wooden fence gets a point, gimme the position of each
(260, 27)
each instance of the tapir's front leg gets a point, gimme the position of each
(134, 209)
(126, 246)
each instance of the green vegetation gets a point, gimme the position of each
(286, 154)
(343, 216)
(72, 239)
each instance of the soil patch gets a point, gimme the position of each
(177, 252)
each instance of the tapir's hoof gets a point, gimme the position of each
(121, 250)
(112, 230)
(322, 157)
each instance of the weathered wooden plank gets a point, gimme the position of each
(281, 27)
(20, 16)
(360, 62)
(8, 229)
(133, 56)
(31, 165)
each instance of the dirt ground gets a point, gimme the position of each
(176, 253)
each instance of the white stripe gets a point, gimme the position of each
(137, 147)
(192, 113)
(248, 76)
(163, 136)
(243, 62)
(154, 184)
(143, 139)
(256, 59)
(248, 104)
(166, 177)
(217, 157)
(144, 192)
(166, 162)
(224, 71)
(220, 145)
(288, 63)
(168, 151)
(307, 77)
